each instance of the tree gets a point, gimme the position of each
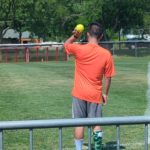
(20, 15)
(5, 21)
(40, 17)
(5, 17)
(122, 14)
(81, 12)
(55, 19)
(147, 16)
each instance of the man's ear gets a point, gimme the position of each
(101, 37)
(87, 34)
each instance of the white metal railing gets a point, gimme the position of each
(62, 123)
(133, 48)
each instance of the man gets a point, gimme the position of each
(92, 63)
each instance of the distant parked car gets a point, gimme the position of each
(132, 36)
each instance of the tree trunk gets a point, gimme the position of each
(20, 35)
(119, 37)
(0, 49)
(2, 33)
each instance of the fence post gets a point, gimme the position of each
(1, 139)
(1, 55)
(113, 49)
(136, 51)
(146, 136)
(47, 54)
(89, 137)
(27, 55)
(6, 55)
(31, 139)
(16, 55)
(37, 54)
(118, 137)
(60, 138)
(56, 54)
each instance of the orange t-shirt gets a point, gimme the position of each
(92, 62)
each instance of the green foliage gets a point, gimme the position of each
(5, 17)
(124, 14)
(51, 19)
(147, 20)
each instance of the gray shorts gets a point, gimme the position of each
(84, 109)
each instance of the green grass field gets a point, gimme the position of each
(43, 91)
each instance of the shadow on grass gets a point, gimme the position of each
(108, 146)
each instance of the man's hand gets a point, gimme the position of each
(105, 99)
(76, 34)
(106, 89)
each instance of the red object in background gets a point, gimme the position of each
(56, 54)
(37, 54)
(47, 54)
(27, 55)
(16, 55)
(6, 55)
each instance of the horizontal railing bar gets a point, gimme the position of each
(29, 44)
(55, 123)
(50, 44)
(131, 41)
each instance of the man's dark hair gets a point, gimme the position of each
(95, 29)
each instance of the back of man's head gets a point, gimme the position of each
(95, 30)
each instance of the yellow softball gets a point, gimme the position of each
(79, 28)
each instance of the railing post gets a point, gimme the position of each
(16, 55)
(60, 138)
(47, 54)
(6, 55)
(31, 139)
(56, 54)
(37, 54)
(118, 137)
(136, 51)
(89, 137)
(1, 139)
(146, 136)
(113, 49)
(27, 55)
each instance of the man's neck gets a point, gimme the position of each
(93, 40)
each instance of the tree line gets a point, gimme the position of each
(55, 19)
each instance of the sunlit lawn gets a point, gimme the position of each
(43, 91)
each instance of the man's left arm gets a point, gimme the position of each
(109, 73)
(107, 83)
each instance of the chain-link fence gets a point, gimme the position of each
(129, 48)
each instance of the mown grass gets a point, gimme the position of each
(43, 91)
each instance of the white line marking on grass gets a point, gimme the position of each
(147, 112)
